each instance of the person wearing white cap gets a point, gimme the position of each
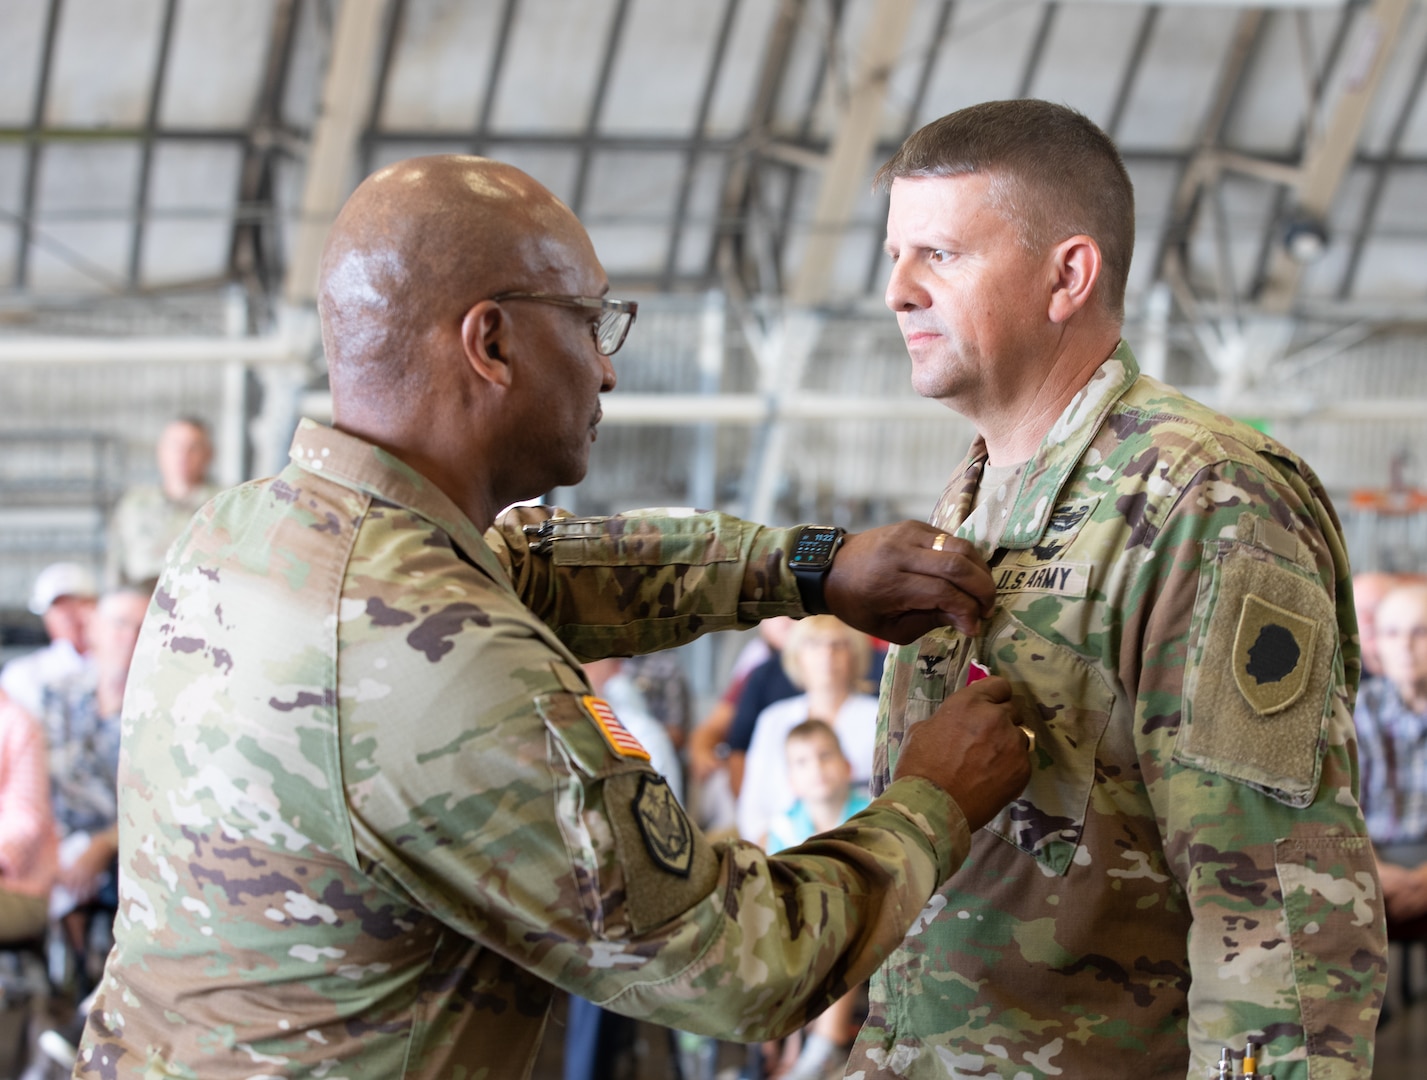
(64, 596)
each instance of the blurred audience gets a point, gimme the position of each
(1391, 718)
(63, 597)
(659, 678)
(150, 517)
(708, 742)
(28, 846)
(826, 659)
(82, 727)
(712, 794)
(819, 776)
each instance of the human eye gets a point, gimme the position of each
(938, 256)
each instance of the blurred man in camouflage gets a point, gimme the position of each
(371, 809)
(149, 517)
(1187, 869)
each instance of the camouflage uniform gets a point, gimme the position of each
(145, 523)
(369, 813)
(1187, 867)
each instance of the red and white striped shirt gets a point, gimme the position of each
(28, 845)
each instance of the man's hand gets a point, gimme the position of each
(891, 583)
(972, 749)
(1403, 890)
(81, 877)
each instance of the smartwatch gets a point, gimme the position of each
(810, 559)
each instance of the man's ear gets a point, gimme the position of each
(1075, 263)
(486, 341)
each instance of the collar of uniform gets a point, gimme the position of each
(352, 462)
(1064, 445)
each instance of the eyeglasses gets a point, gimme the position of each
(616, 316)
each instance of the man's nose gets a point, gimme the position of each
(903, 293)
(607, 376)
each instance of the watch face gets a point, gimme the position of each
(814, 547)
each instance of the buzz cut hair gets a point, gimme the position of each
(1053, 174)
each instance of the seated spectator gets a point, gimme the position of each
(659, 678)
(769, 683)
(708, 744)
(712, 766)
(1391, 718)
(1369, 589)
(149, 518)
(27, 831)
(825, 658)
(82, 727)
(820, 778)
(63, 597)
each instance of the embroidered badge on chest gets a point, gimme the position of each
(1273, 653)
(616, 734)
(666, 831)
(1064, 526)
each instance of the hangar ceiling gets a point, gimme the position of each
(161, 147)
(168, 169)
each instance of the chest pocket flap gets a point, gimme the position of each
(1067, 704)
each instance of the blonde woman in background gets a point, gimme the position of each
(825, 658)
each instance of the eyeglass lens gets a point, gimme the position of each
(610, 333)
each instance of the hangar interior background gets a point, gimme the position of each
(168, 169)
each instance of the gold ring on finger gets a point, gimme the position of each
(1030, 738)
(940, 542)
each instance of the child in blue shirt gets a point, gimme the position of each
(820, 775)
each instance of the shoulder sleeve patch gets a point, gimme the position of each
(668, 836)
(668, 864)
(1260, 669)
(1273, 655)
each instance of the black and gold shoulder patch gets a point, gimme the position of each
(1273, 655)
(668, 837)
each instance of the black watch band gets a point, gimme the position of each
(810, 558)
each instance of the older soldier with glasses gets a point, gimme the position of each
(371, 808)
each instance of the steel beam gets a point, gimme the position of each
(1329, 155)
(853, 145)
(346, 103)
(146, 157)
(24, 234)
(1381, 172)
(597, 100)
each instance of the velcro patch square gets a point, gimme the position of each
(1269, 627)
